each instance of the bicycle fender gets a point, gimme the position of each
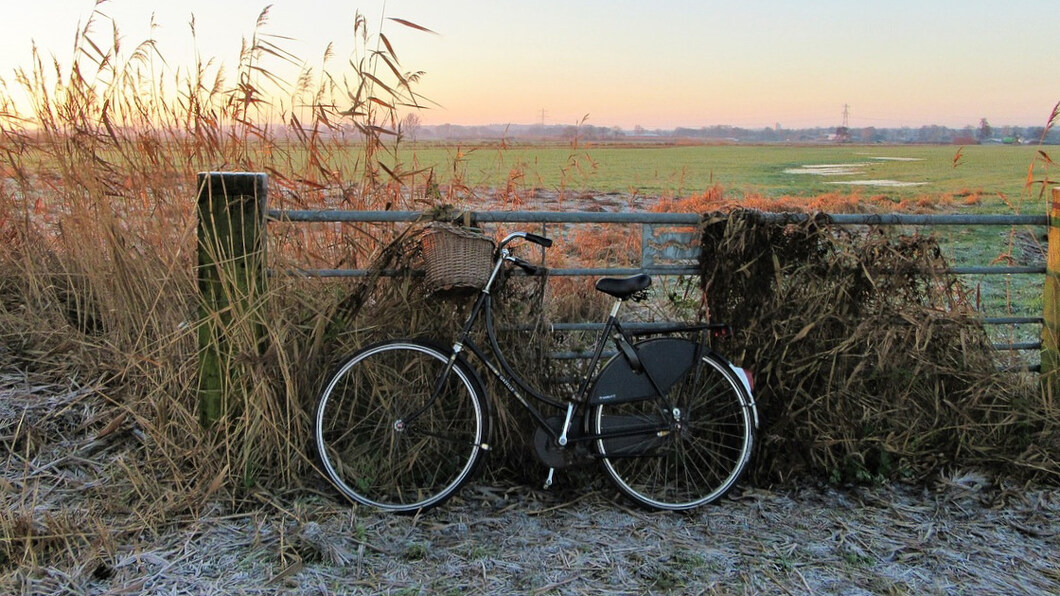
(668, 358)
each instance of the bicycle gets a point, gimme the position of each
(404, 423)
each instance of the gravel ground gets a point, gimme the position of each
(961, 534)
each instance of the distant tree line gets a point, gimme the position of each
(930, 134)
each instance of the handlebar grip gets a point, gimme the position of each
(530, 268)
(541, 240)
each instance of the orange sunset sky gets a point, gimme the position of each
(664, 64)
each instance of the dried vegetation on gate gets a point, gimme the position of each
(870, 361)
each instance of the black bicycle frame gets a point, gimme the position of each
(499, 366)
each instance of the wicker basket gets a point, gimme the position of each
(456, 258)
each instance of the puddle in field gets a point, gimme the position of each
(828, 169)
(890, 183)
(853, 169)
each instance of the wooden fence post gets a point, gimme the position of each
(231, 276)
(1051, 301)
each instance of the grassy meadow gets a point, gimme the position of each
(98, 249)
(828, 177)
(994, 176)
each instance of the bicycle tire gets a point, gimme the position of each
(374, 453)
(694, 464)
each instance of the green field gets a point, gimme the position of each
(975, 179)
(993, 171)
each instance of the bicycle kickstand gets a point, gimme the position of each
(548, 481)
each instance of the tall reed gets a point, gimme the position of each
(97, 217)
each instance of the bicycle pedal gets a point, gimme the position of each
(548, 480)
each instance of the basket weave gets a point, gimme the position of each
(456, 258)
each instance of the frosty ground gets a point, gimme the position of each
(66, 531)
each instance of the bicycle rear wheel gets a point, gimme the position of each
(387, 440)
(696, 462)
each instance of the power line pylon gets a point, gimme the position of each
(842, 133)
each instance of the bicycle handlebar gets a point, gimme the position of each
(527, 267)
(539, 240)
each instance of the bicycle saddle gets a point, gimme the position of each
(624, 288)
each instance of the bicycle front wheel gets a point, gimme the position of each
(695, 461)
(398, 430)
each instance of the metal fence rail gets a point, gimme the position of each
(675, 252)
(652, 221)
(863, 219)
(232, 210)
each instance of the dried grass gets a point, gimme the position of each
(869, 363)
(97, 260)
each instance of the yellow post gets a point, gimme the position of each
(1051, 300)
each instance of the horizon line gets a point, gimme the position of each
(719, 125)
